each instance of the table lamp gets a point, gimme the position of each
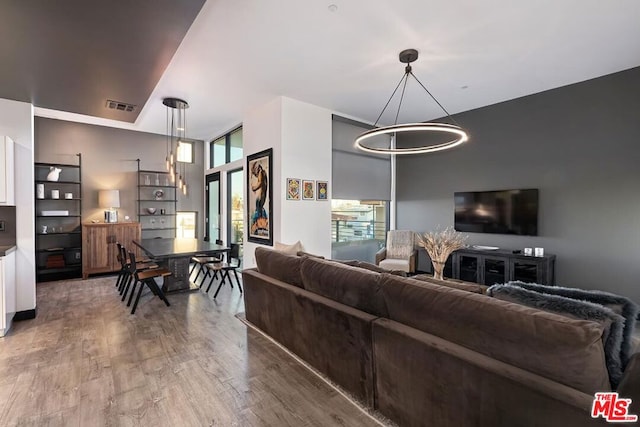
(109, 199)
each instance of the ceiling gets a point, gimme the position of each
(67, 57)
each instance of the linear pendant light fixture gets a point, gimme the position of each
(176, 131)
(459, 135)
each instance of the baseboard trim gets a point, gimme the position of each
(26, 314)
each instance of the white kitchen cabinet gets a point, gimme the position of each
(7, 196)
(7, 291)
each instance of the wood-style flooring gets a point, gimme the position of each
(85, 361)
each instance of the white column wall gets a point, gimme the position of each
(306, 154)
(16, 121)
(300, 135)
(262, 129)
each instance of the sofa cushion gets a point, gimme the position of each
(279, 265)
(395, 264)
(612, 323)
(310, 255)
(348, 285)
(292, 249)
(548, 344)
(452, 283)
(372, 267)
(617, 303)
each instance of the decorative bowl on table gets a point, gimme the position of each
(152, 211)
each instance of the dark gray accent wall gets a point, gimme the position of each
(580, 146)
(108, 162)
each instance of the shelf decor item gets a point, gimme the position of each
(152, 211)
(40, 191)
(158, 194)
(54, 174)
(439, 245)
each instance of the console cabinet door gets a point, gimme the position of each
(494, 270)
(96, 249)
(468, 268)
(125, 234)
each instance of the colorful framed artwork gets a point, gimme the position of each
(260, 197)
(322, 190)
(293, 188)
(308, 190)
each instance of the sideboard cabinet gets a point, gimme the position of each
(489, 267)
(99, 250)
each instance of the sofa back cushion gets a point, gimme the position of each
(372, 267)
(619, 304)
(279, 265)
(613, 324)
(452, 283)
(566, 350)
(348, 285)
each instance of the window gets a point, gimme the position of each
(186, 224)
(218, 152)
(358, 228)
(235, 145)
(185, 152)
(235, 206)
(226, 149)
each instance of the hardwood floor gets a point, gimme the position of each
(85, 361)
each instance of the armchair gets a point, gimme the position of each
(400, 252)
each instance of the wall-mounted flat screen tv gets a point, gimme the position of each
(500, 212)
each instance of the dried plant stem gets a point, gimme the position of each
(440, 244)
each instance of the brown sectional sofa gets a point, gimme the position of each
(424, 353)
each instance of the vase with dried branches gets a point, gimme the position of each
(439, 244)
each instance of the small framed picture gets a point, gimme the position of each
(322, 192)
(293, 189)
(308, 190)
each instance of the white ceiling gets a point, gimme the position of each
(238, 55)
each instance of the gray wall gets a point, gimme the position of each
(580, 145)
(108, 162)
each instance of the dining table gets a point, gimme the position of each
(175, 254)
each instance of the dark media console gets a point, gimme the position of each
(489, 267)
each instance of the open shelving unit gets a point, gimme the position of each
(58, 237)
(156, 191)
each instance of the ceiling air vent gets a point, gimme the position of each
(120, 106)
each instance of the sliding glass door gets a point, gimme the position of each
(212, 220)
(235, 206)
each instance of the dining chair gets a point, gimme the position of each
(146, 277)
(225, 269)
(125, 276)
(200, 260)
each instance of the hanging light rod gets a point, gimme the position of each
(408, 56)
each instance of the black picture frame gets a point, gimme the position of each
(259, 210)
